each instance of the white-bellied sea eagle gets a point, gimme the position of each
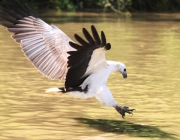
(55, 55)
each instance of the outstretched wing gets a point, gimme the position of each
(89, 57)
(44, 45)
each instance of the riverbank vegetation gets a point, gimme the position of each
(109, 5)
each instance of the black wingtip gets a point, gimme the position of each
(94, 41)
(7, 25)
(31, 12)
(17, 10)
(108, 46)
(88, 36)
(9, 19)
(103, 38)
(95, 34)
(74, 45)
(80, 40)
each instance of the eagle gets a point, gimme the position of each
(82, 65)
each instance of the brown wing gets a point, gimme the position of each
(44, 45)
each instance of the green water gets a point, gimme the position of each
(150, 48)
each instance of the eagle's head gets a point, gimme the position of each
(122, 69)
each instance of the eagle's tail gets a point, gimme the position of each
(53, 90)
(75, 92)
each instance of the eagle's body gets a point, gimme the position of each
(96, 85)
(56, 56)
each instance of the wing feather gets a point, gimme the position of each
(87, 59)
(103, 38)
(88, 36)
(80, 40)
(95, 35)
(50, 50)
(74, 45)
(44, 45)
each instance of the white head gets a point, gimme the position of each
(122, 69)
(118, 66)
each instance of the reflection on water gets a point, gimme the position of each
(149, 48)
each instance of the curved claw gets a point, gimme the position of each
(123, 110)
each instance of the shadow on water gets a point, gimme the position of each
(124, 127)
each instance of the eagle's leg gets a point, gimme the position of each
(123, 109)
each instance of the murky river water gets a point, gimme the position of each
(150, 48)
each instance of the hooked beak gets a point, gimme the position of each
(124, 74)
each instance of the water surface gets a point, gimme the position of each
(149, 45)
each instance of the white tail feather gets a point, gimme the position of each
(75, 94)
(54, 90)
